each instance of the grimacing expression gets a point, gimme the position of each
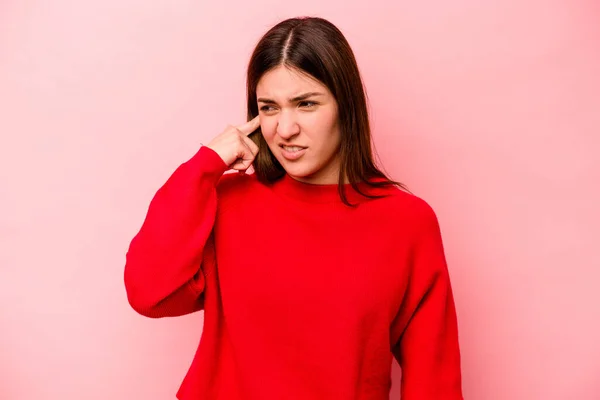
(299, 121)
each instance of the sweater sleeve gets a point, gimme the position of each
(425, 329)
(164, 263)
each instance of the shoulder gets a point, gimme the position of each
(409, 205)
(416, 222)
(410, 211)
(233, 185)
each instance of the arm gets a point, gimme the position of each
(427, 346)
(163, 271)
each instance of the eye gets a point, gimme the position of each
(307, 104)
(267, 108)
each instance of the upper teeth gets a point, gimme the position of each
(292, 148)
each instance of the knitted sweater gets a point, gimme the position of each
(303, 297)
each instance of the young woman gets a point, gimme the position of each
(315, 270)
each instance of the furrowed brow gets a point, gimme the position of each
(295, 99)
(305, 96)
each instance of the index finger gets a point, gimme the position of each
(249, 126)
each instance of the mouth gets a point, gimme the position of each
(291, 148)
(292, 152)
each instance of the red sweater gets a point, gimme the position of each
(304, 298)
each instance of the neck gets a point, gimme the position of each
(307, 192)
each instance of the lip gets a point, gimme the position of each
(291, 156)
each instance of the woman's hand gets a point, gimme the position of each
(234, 146)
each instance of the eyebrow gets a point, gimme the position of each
(300, 97)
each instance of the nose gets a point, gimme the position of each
(286, 125)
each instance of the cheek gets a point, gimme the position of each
(332, 121)
(268, 129)
(319, 123)
(327, 126)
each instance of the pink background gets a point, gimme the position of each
(488, 110)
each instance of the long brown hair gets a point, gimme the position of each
(316, 47)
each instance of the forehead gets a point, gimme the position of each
(286, 82)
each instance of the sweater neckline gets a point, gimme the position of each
(319, 193)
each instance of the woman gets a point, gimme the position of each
(314, 271)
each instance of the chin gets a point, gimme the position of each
(298, 170)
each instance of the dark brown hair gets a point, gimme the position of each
(316, 47)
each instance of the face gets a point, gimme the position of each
(299, 121)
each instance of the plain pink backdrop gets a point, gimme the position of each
(488, 110)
